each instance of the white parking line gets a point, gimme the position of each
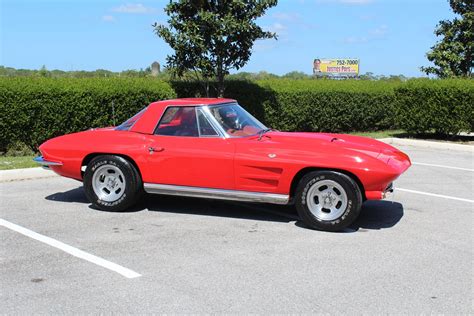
(71, 250)
(441, 166)
(435, 195)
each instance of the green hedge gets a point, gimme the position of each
(312, 105)
(440, 106)
(35, 109)
(330, 106)
(418, 105)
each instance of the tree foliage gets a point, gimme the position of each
(210, 37)
(453, 54)
(56, 73)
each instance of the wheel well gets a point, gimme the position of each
(91, 156)
(300, 174)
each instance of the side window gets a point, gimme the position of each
(125, 126)
(178, 121)
(205, 128)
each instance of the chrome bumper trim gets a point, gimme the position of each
(388, 192)
(218, 194)
(44, 162)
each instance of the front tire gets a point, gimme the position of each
(328, 200)
(112, 183)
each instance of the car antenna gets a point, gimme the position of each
(113, 112)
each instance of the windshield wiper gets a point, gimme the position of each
(263, 132)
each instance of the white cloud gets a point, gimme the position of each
(356, 40)
(355, 2)
(108, 18)
(379, 31)
(286, 16)
(281, 31)
(374, 34)
(295, 19)
(346, 2)
(134, 8)
(367, 17)
(264, 45)
(277, 27)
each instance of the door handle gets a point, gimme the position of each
(152, 150)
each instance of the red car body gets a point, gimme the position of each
(272, 163)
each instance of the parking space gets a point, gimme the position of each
(412, 255)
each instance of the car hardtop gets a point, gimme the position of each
(192, 102)
(146, 123)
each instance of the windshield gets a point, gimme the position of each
(235, 121)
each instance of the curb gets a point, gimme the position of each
(427, 144)
(25, 174)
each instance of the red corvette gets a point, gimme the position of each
(213, 148)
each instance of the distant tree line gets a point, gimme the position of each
(56, 73)
(299, 75)
(168, 74)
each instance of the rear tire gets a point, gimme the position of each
(112, 183)
(328, 200)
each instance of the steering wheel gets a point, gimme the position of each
(244, 123)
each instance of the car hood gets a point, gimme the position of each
(323, 146)
(312, 141)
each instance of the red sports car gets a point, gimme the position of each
(213, 148)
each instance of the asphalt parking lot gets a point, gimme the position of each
(412, 255)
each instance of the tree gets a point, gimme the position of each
(368, 76)
(210, 37)
(43, 72)
(296, 75)
(453, 54)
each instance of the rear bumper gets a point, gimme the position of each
(46, 163)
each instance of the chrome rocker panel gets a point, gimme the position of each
(218, 194)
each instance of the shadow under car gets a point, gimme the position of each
(374, 215)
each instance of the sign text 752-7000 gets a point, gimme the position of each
(338, 67)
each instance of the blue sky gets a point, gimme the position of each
(388, 36)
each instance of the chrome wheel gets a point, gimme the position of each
(326, 200)
(108, 183)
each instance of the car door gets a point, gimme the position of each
(187, 151)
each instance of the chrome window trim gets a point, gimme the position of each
(197, 121)
(176, 106)
(213, 121)
(221, 133)
(220, 126)
(219, 194)
(206, 117)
